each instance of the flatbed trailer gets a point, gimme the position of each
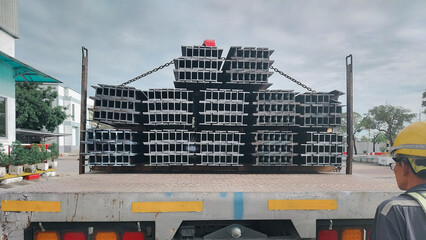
(197, 206)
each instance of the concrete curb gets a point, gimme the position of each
(380, 160)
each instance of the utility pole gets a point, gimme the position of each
(349, 114)
(83, 106)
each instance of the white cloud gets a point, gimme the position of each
(311, 40)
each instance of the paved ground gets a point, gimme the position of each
(68, 180)
(68, 165)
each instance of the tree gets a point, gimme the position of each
(34, 108)
(368, 123)
(364, 139)
(388, 119)
(424, 102)
(54, 151)
(19, 155)
(357, 118)
(378, 137)
(4, 158)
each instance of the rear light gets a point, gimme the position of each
(133, 236)
(106, 236)
(47, 235)
(327, 235)
(368, 234)
(74, 236)
(353, 234)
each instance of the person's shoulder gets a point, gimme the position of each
(397, 201)
(398, 198)
(418, 188)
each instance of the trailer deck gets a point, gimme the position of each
(360, 181)
(171, 199)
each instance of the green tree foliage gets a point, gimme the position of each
(19, 155)
(368, 123)
(4, 158)
(35, 154)
(378, 137)
(38, 154)
(364, 139)
(54, 151)
(388, 119)
(357, 118)
(34, 108)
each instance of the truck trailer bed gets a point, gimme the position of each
(170, 199)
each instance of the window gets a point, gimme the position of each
(73, 112)
(74, 136)
(2, 117)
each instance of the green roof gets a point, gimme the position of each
(25, 73)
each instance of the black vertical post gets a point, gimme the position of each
(349, 114)
(83, 109)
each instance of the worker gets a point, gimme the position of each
(404, 216)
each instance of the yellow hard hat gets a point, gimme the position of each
(411, 143)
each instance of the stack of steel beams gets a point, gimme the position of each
(109, 147)
(248, 65)
(170, 147)
(321, 148)
(319, 109)
(183, 147)
(274, 147)
(220, 148)
(116, 105)
(275, 108)
(225, 115)
(223, 107)
(198, 64)
(169, 107)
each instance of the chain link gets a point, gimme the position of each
(171, 62)
(146, 74)
(292, 79)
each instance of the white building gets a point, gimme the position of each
(70, 128)
(13, 70)
(8, 34)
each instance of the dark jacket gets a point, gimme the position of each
(400, 217)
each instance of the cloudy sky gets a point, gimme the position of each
(311, 40)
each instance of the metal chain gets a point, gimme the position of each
(146, 74)
(171, 62)
(292, 79)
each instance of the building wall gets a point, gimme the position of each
(9, 17)
(368, 147)
(69, 99)
(7, 91)
(72, 101)
(8, 26)
(7, 44)
(8, 33)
